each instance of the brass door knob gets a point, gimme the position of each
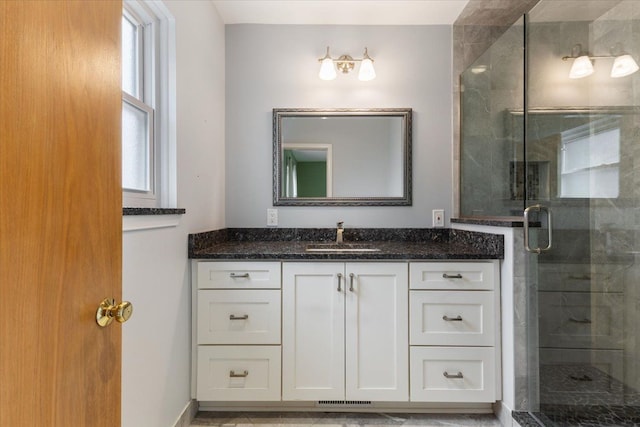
(109, 310)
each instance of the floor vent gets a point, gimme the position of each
(344, 403)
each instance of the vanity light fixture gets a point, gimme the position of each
(346, 64)
(623, 64)
(479, 69)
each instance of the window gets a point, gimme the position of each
(148, 105)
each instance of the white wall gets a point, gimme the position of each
(275, 66)
(156, 340)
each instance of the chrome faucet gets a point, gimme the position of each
(339, 231)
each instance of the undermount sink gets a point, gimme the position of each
(341, 247)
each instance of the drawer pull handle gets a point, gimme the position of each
(574, 320)
(452, 319)
(339, 282)
(351, 275)
(455, 376)
(580, 277)
(584, 377)
(451, 276)
(239, 276)
(244, 374)
(234, 317)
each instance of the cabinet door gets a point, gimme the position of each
(312, 331)
(377, 332)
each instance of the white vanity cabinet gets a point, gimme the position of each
(363, 331)
(345, 331)
(454, 337)
(237, 312)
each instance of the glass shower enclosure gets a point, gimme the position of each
(542, 136)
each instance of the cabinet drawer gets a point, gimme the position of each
(238, 317)
(227, 373)
(581, 320)
(588, 277)
(470, 371)
(452, 318)
(238, 275)
(452, 275)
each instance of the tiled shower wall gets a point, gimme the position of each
(479, 25)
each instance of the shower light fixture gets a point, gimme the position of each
(623, 64)
(346, 63)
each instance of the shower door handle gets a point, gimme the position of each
(538, 208)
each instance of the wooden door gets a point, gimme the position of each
(312, 331)
(60, 212)
(376, 324)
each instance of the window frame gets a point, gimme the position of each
(149, 194)
(156, 97)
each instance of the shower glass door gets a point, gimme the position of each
(582, 169)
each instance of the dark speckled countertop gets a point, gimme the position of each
(394, 244)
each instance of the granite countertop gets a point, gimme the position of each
(394, 244)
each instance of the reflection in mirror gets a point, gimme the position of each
(306, 170)
(342, 157)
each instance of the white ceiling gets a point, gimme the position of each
(340, 12)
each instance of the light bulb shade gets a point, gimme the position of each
(582, 67)
(327, 70)
(623, 65)
(366, 72)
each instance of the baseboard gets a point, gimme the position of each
(388, 407)
(188, 414)
(503, 413)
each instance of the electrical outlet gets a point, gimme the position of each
(438, 217)
(272, 217)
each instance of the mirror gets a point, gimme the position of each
(342, 157)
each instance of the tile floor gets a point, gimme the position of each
(337, 419)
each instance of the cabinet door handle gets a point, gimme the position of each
(451, 276)
(446, 318)
(454, 376)
(351, 276)
(232, 374)
(339, 282)
(234, 317)
(239, 276)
